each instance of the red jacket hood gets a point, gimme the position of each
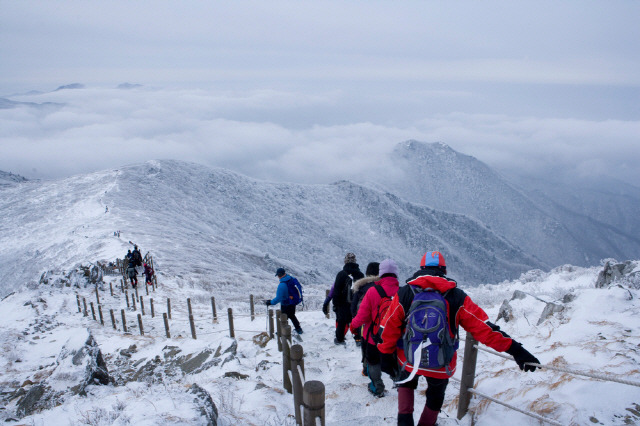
(441, 284)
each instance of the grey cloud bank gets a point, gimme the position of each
(316, 92)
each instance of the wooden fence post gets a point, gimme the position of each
(270, 323)
(113, 319)
(146, 286)
(279, 329)
(189, 306)
(169, 308)
(140, 325)
(155, 282)
(252, 307)
(297, 360)
(166, 325)
(93, 311)
(137, 297)
(313, 399)
(286, 360)
(126, 296)
(84, 302)
(122, 284)
(78, 300)
(153, 314)
(142, 304)
(100, 312)
(133, 302)
(213, 308)
(124, 321)
(97, 296)
(232, 332)
(111, 288)
(468, 376)
(193, 326)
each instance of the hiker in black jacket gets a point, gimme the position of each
(341, 295)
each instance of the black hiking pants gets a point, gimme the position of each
(435, 393)
(343, 319)
(290, 312)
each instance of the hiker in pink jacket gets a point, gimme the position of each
(372, 309)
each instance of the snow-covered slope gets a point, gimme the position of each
(155, 380)
(213, 227)
(572, 231)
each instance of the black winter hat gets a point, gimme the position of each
(373, 269)
(280, 272)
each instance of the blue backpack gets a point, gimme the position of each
(295, 291)
(427, 340)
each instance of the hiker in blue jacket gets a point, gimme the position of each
(282, 297)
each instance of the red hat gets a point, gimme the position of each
(433, 258)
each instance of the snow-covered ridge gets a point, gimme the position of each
(218, 227)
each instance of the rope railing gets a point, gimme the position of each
(598, 376)
(471, 348)
(513, 407)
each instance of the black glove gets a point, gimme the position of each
(267, 302)
(521, 355)
(325, 306)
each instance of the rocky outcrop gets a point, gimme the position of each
(550, 309)
(205, 404)
(79, 364)
(81, 277)
(626, 272)
(172, 363)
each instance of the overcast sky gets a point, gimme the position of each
(319, 91)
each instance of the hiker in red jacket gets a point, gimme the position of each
(370, 313)
(461, 311)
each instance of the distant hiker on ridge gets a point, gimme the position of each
(137, 257)
(148, 273)
(341, 295)
(430, 295)
(288, 294)
(132, 273)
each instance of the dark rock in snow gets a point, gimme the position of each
(205, 403)
(505, 312)
(236, 375)
(549, 310)
(36, 399)
(616, 272)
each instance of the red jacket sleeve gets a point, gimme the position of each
(392, 327)
(364, 312)
(474, 320)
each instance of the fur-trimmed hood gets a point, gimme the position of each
(363, 281)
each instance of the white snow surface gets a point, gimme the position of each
(597, 332)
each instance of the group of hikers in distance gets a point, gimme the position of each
(132, 261)
(404, 331)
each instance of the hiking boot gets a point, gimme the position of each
(338, 342)
(299, 331)
(378, 393)
(358, 342)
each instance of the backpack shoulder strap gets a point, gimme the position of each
(380, 290)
